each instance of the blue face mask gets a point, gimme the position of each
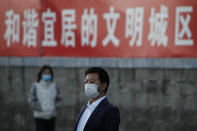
(46, 77)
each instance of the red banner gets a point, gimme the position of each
(20, 28)
(119, 28)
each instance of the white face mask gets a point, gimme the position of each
(91, 90)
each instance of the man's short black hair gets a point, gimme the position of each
(102, 74)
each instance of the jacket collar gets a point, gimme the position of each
(98, 108)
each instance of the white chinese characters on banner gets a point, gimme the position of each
(111, 26)
(13, 27)
(89, 28)
(180, 32)
(48, 19)
(134, 20)
(134, 25)
(30, 24)
(68, 36)
(158, 26)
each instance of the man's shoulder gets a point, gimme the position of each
(109, 105)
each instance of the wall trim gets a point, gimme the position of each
(186, 63)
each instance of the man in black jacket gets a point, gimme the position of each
(99, 114)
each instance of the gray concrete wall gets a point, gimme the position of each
(149, 99)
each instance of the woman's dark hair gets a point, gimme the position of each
(102, 74)
(43, 68)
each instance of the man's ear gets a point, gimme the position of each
(104, 85)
